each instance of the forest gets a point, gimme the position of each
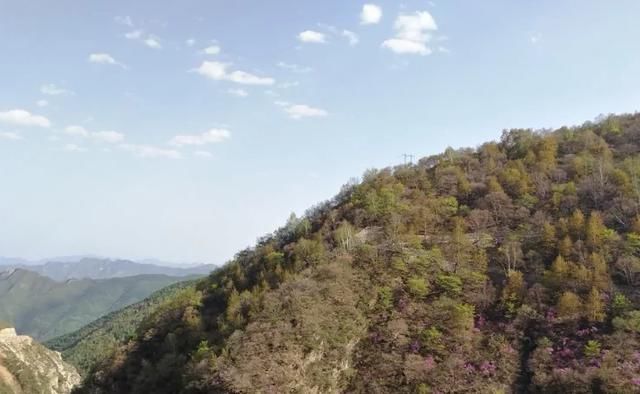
(510, 267)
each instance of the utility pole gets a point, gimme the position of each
(409, 157)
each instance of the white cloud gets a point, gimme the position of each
(104, 58)
(53, 90)
(190, 42)
(371, 14)
(74, 148)
(203, 154)
(76, 131)
(134, 35)
(351, 36)
(218, 71)
(124, 20)
(111, 137)
(149, 40)
(211, 50)
(151, 152)
(213, 136)
(311, 36)
(281, 103)
(20, 117)
(42, 103)
(153, 42)
(238, 92)
(299, 111)
(287, 85)
(7, 135)
(296, 68)
(412, 34)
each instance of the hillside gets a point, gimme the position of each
(97, 340)
(43, 309)
(512, 267)
(98, 268)
(27, 367)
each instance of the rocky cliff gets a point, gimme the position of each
(30, 368)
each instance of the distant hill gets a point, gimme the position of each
(43, 308)
(99, 268)
(27, 367)
(97, 340)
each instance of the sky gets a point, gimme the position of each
(185, 130)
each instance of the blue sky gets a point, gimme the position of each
(184, 130)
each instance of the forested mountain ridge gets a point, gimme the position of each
(512, 267)
(100, 268)
(97, 340)
(43, 308)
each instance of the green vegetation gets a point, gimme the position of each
(507, 268)
(42, 308)
(99, 339)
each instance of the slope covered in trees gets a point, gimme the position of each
(97, 340)
(512, 267)
(43, 308)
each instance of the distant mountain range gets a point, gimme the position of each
(100, 268)
(43, 308)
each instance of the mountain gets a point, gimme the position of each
(510, 267)
(15, 262)
(97, 340)
(27, 367)
(98, 268)
(43, 308)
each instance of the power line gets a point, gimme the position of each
(408, 159)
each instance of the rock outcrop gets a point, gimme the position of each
(27, 367)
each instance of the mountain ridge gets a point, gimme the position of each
(98, 268)
(510, 267)
(43, 308)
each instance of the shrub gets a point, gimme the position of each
(418, 286)
(592, 349)
(431, 339)
(450, 284)
(630, 321)
(385, 297)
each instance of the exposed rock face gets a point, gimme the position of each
(27, 367)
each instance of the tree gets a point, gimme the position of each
(628, 267)
(600, 272)
(595, 231)
(460, 246)
(576, 224)
(417, 286)
(565, 247)
(569, 305)
(344, 235)
(548, 236)
(309, 251)
(594, 307)
(511, 251)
